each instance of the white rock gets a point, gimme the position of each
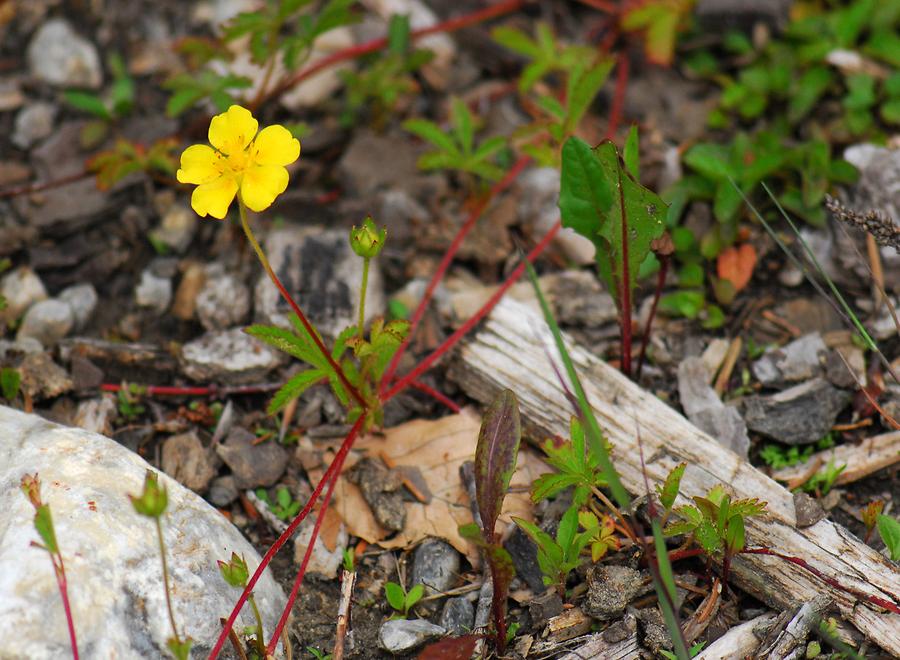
(21, 288)
(59, 56)
(33, 123)
(322, 561)
(96, 415)
(402, 635)
(177, 227)
(153, 292)
(111, 554)
(539, 203)
(82, 299)
(47, 321)
(228, 355)
(223, 302)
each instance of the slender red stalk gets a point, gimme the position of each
(298, 581)
(205, 390)
(624, 286)
(618, 100)
(453, 339)
(660, 283)
(46, 185)
(466, 227)
(450, 25)
(436, 395)
(60, 570)
(802, 563)
(333, 469)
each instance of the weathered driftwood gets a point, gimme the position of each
(598, 646)
(740, 642)
(511, 351)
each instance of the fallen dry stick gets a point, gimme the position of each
(869, 456)
(510, 351)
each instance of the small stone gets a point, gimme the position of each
(380, 488)
(656, 635)
(319, 268)
(47, 321)
(538, 206)
(21, 288)
(42, 378)
(223, 302)
(176, 229)
(185, 304)
(223, 491)
(545, 607)
(798, 361)
(185, 459)
(404, 635)
(58, 56)
(11, 96)
(807, 510)
(610, 590)
(19, 347)
(111, 553)
(800, 415)
(252, 465)
(82, 299)
(230, 356)
(96, 415)
(323, 561)
(579, 300)
(435, 565)
(362, 169)
(153, 292)
(458, 616)
(705, 409)
(33, 123)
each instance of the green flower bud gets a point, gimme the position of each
(367, 240)
(154, 500)
(235, 571)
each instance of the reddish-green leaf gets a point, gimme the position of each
(495, 458)
(452, 648)
(669, 490)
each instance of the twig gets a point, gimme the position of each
(731, 358)
(348, 579)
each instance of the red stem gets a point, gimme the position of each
(60, 571)
(333, 469)
(436, 395)
(37, 187)
(467, 226)
(660, 283)
(624, 287)
(452, 340)
(450, 25)
(802, 563)
(206, 390)
(618, 100)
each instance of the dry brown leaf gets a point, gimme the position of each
(437, 448)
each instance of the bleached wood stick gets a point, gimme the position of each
(511, 351)
(870, 455)
(740, 642)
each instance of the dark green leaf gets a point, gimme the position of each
(808, 90)
(395, 595)
(495, 457)
(668, 491)
(87, 102)
(682, 303)
(292, 389)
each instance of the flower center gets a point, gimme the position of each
(239, 161)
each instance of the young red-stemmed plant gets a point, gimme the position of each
(495, 461)
(43, 524)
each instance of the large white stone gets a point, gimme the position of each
(59, 56)
(111, 555)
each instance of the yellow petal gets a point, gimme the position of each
(262, 184)
(275, 146)
(215, 197)
(199, 164)
(231, 131)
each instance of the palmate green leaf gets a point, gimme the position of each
(288, 342)
(43, 524)
(292, 389)
(428, 130)
(708, 538)
(595, 192)
(748, 507)
(548, 485)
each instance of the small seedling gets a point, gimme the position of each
(235, 573)
(317, 654)
(284, 507)
(821, 482)
(889, 530)
(152, 503)
(557, 557)
(603, 538)
(401, 599)
(694, 650)
(128, 397)
(115, 104)
(348, 560)
(576, 465)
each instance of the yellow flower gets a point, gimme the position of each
(238, 162)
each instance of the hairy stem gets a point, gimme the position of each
(352, 391)
(165, 570)
(260, 640)
(362, 297)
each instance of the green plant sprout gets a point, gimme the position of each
(603, 538)
(402, 600)
(821, 482)
(116, 103)
(127, 157)
(576, 466)
(694, 651)
(380, 86)
(43, 525)
(152, 503)
(348, 560)
(129, 397)
(10, 381)
(235, 573)
(557, 557)
(284, 507)
(456, 149)
(889, 530)
(317, 654)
